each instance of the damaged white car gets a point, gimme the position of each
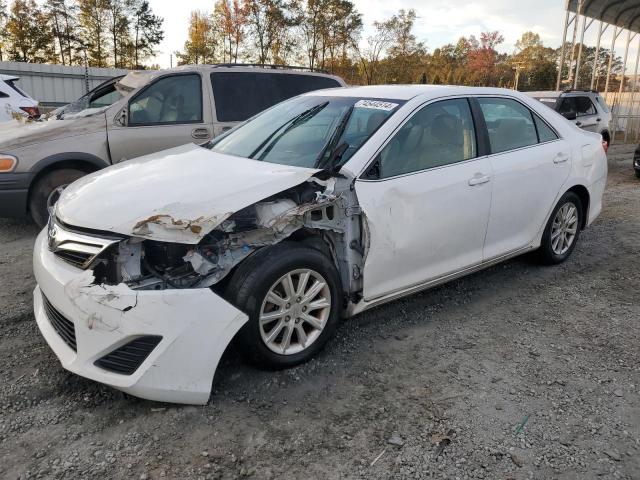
(318, 208)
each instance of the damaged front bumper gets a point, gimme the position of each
(190, 329)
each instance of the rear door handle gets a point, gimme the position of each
(200, 133)
(560, 158)
(579, 124)
(479, 179)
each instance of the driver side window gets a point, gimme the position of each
(439, 134)
(170, 100)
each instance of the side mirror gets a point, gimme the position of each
(569, 115)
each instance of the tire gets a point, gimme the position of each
(637, 173)
(552, 249)
(46, 186)
(263, 273)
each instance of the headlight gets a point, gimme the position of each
(7, 162)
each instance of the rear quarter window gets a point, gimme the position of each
(13, 86)
(241, 95)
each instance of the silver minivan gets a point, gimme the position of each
(140, 113)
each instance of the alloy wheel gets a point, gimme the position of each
(564, 228)
(295, 311)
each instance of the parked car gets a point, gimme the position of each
(14, 102)
(586, 108)
(140, 113)
(636, 161)
(320, 207)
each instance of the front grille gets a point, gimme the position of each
(77, 259)
(126, 359)
(60, 324)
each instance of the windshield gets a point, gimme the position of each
(97, 100)
(308, 131)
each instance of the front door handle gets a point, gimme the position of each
(561, 158)
(479, 179)
(200, 133)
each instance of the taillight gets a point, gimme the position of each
(605, 146)
(33, 112)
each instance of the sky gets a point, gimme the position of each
(439, 21)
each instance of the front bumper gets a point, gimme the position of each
(196, 325)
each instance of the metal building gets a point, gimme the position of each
(615, 19)
(56, 85)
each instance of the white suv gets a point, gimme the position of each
(586, 108)
(14, 102)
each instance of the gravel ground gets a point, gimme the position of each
(516, 372)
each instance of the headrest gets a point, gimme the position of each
(447, 129)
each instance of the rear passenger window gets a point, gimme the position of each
(241, 95)
(510, 124)
(439, 134)
(585, 106)
(545, 134)
(170, 100)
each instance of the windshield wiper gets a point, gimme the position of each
(336, 150)
(290, 125)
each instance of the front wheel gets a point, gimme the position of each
(562, 231)
(47, 190)
(292, 296)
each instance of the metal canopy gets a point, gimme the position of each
(621, 13)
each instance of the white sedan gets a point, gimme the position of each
(321, 207)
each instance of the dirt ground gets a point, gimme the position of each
(517, 372)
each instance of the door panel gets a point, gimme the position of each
(526, 183)
(424, 225)
(169, 112)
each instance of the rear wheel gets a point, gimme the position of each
(292, 296)
(562, 231)
(47, 190)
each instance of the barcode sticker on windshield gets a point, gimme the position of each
(377, 104)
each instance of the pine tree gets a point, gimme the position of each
(147, 31)
(94, 26)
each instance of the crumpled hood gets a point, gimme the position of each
(16, 134)
(177, 195)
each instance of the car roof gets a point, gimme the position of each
(407, 92)
(558, 93)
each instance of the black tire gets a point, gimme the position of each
(44, 187)
(545, 253)
(249, 286)
(637, 173)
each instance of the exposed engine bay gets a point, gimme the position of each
(321, 213)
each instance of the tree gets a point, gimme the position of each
(483, 58)
(230, 19)
(62, 15)
(4, 17)
(200, 45)
(405, 54)
(118, 13)
(147, 31)
(376, 44)
(535, 64)
(28, 34)
(94, 23)
(267, 24)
